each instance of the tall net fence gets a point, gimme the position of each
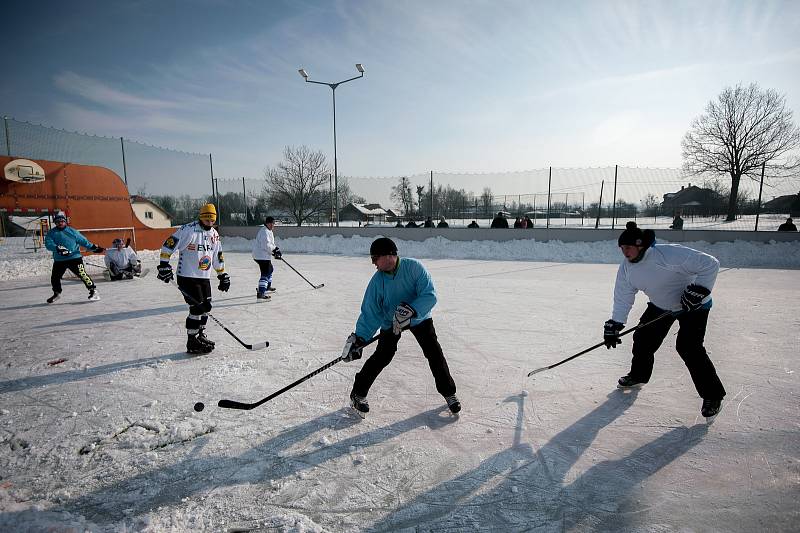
(147, 170)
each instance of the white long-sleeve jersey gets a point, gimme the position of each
(662, 274)
(121, 259)
(264, 244)
(199, 250)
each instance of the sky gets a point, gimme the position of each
(469, 86)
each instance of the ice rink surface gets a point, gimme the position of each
(107, 439)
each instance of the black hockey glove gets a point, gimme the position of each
(276, 253)
(611, 331)
(165, 272)
(224, 282)
(63, 251)
(97, 249)
(402, 318)
(693, 297)
(352, 348)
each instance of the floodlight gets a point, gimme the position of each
(303, 73)
(360, 68)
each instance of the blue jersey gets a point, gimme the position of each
(69, 238)
(409, 283)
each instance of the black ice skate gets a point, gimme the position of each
(711, 407)
(270, 288)
(359, 404)
(453, 404)
(54, 297)
(627, 382)
(262, 295)
(201, 336)
(196, 346)
(93, 296)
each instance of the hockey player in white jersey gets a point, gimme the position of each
(122, 262)
(264, 248)
(199, 250)
(675, 278)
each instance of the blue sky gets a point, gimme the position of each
(450, 86)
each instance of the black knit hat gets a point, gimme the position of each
(634, 236)
(383, 246)
(269, 220)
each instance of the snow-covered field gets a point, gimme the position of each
(107, 440)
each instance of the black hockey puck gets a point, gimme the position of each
(199, 406)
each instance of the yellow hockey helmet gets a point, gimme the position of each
(208, 213)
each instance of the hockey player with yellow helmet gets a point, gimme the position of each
(199, 250)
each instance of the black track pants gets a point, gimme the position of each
(75, 266)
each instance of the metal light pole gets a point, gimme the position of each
(333, 87)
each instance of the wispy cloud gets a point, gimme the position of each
(100, 93)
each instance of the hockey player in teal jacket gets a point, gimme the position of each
(65, 243)
(399, 296)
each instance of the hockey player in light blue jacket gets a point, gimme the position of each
(65, 243)
(399, 296)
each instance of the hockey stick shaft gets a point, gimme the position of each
(256, 346)
(599, 344)
(302, 276)
(232, 404)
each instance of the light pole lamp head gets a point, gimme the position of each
(303, 73)
(360, 68)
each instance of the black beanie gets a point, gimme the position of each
(383, 246)
(634, 236)
(269, 220)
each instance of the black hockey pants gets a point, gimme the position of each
(425, 334)
(689, 345)
(75, 266)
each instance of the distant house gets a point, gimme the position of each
(367, 213)
(693, 200)
(788, 203)
(393, 216)
(149, 213)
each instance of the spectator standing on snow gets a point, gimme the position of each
(677, 279)
(529, 222)
(199, 250)
(65, 243)
(787, 226)
(677, 222)
(411, 224)
(500, 221)
(264, 249)
(399, 296)
(442, 223)
(473, 225)
(122, 262)
(428, 223)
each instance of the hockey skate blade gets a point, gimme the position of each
(358, 413)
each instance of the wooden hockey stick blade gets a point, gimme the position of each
(257, 346)
(231, 404)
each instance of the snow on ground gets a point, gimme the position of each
(106, 440)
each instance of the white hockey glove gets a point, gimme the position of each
(402, 318)
(352, 348)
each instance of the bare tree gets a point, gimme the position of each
(742, 130)
(346, 194)
(487, 200)
(402, 194)
(298, 185)
(650, 204)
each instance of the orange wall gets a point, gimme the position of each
(92, 197)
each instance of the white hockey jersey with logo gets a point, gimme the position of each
(199, 250)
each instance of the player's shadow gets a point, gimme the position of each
(115, 316)
(69, 376)
(524, 488)
(271, 461)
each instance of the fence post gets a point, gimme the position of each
(244, 197)
(599, 205)
(124, 166)
(549, 180)
(614, 205)
(8, 137)
(760, 188)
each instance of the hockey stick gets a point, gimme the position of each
(256, 346)
(232, 404)
(302, 276)
(599, 344)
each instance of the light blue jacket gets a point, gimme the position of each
(409, 283)
(69, 238)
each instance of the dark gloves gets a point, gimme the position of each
(62, 250)
(165, 272)
(276, 253)
(352, 348)
(97, 249)
(611, 331)
(224, 282)
(402, 318)
(693, 297)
